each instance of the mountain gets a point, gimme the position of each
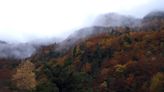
(85, 33)
(105, 62)
(94, 59)
(155, 20)
(16, 51)
(99, 60)
(3, 42)
(106, 23)
(154, 15)
(82, 34)
(116, 20)
(23, 50)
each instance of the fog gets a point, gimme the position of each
(16, 51)
(29, 20)
(26, 24)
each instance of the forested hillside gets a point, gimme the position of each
(109, 59)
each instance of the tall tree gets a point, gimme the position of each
(24, 77)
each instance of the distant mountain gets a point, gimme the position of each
(23, 50)
(154, 15)
(16, 51)
(116, 20)
(107, 23)
(112, 23)
(155, 20)
(3, 42)
(83, 34)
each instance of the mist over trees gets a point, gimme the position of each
(122, 58)
(16, 51)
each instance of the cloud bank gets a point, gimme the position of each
(26, 20)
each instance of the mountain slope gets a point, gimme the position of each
(106, 62)
(101, 59)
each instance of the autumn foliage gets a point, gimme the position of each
(24, 77)
(122, 60)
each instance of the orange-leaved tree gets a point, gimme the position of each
(24, 77)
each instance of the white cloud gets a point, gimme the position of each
(25, 20)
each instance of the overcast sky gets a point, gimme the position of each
(25, 20)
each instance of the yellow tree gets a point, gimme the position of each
(24, 77)
(157, 83)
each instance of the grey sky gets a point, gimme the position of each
(25, 20)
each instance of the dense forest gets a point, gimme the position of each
(109, 59)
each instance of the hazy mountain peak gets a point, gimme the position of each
(3, 42)
(155, 14)
(104, 23)
(116, 20)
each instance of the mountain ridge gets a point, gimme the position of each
(102, 24)
(93, 59)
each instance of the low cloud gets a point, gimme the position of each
(17, 51)
(23, 21)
